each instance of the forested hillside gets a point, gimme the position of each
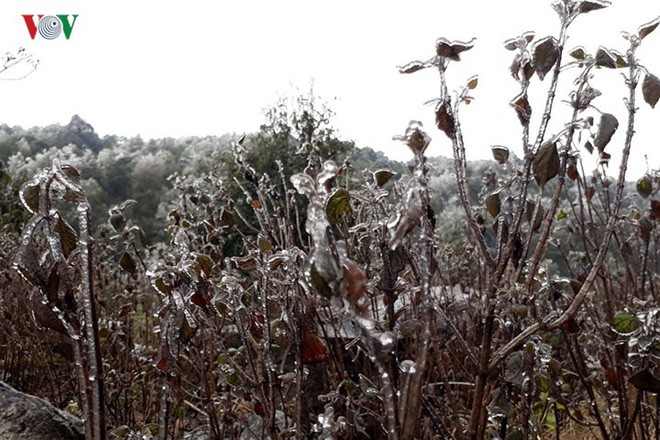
(289, 284)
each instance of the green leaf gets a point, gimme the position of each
(647, 28)
(608, 125)
(579, 53)
(645, 380)
(619, 60)
(604, 58)
(493, 204)
(338, 205)
(651, 89)
(546, 53)
(381, 177)
(500, 153)
(644, 186)
(625, 323)
(546, 163)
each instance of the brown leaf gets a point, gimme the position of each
(127, 263)
(645, 380)
(592, 5)
(68, 236)
(472, 82)
(655, 210)
(444, 120)
(413, 67)
(500, 153)
(608, 125)
(546, 54)
(523, 109)
(651, 89)
(546, 163)
(381, 177)
(647, 28)
(452, 49)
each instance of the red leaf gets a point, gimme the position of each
(314, 349)
(523, 109)
(356, 286)
(199, 299)
(591, 191)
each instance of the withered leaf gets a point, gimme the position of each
(645, 380)
(500, 153)
(381, 177)
(546, 53)
(413, 67)
(356, 286)
(546, 163)
(523, 110)
(592, 5)
(651, 89)
(655, 210)
(444, 120)
(608, 125)
(647, 28)
(127, 263)
(68, 237)
(452, 49)
(472, 82)
(530, 207)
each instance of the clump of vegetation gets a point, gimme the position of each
(335, 302)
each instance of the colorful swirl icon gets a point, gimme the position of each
(50, 27)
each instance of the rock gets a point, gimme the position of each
(28, 417)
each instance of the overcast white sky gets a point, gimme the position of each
(166, 68)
